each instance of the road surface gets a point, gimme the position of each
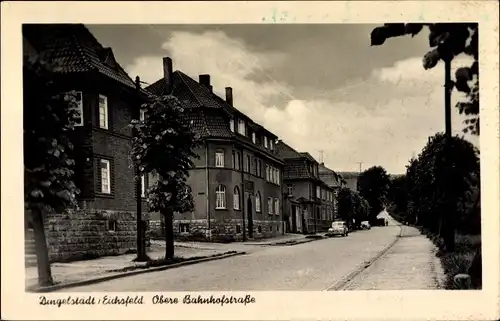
(315, 265)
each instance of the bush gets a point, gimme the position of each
(460, 260)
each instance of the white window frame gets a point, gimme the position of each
(78, 108)
(105, 176)
(318, 192)
(241, 127)
(183, 227)
(236, 198)
(254, 138)
(142, 115)
(103, 112)
(143, 186)
(267, 173)
(231, 125)
(276, 206)
(278, 177)
(258, 202)
(289, 189)
(220, 197)
(219, 158)
(270, 205)
(265, 141)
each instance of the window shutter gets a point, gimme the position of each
(112, 176)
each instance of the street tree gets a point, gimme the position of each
(345, 203)
(429, 188)
(49, 117)
(446, 41)
(398, 197)
(164, 147)
(373, 185)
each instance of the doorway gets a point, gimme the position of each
(294, 219)
(250, 217)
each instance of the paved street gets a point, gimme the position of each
(310, 266)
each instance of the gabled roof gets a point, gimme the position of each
(309, 157)
(286, 152)
(329, 176)
(74, 49)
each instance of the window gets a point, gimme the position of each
(241, 127)
(249, 164)
(290, 188)
(143, 186)
(270, 205)
(237, 160)
(231, 125)
(254, 138)
(220, 200)
(276, 206)
(78, 108)
(272, 175)
(271, 144)
(267, 173)
(257, 202)
(183, 228)
(142, 115)
(260, 168)
(105, 177)
(103, 111)
(112, 225)
(236, 198)
(219, 158)
(265, 141)
(318, 191)
(255, 166)
(278, 177)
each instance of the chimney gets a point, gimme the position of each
(205, 81)
(167, 74)
(229, 96)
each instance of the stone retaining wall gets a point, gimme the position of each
(86, 234)
(226, 230)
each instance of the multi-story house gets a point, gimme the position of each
(333, 180)
(107, 102)
(309, 202)
(236, 182)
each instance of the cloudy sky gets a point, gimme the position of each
(318, 87)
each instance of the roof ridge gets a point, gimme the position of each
(181, 76)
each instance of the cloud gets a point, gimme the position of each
(380, 120)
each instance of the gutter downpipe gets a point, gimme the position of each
(207, 198)
(242, 194)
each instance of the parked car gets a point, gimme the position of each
(365, 225)
(338, 228)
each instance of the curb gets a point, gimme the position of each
(56, 287)
(363, 266)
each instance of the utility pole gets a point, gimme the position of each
(360, 166)
(449, 217)
(141, 253)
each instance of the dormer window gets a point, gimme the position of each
(265, 141)
(254, 138)
(231, 125)
(241, 127)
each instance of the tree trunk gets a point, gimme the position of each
(42, 252)
(169, 234)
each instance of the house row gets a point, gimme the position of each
(246, 183)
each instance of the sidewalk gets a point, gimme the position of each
(411, 264)
(83, 270)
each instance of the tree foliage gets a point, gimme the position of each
(373, 185)
(352, 208)
(446, 41)
(48, 119)
(428, 188)
(164, 147)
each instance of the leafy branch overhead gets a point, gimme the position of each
(446, 40)
(163, 147)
